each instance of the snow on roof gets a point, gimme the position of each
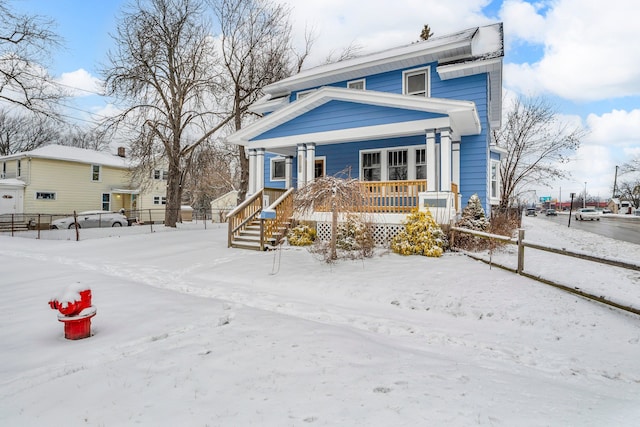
(471, 43)
(73, 154)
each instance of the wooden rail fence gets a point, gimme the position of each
(522, 244)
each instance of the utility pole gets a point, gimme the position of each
(584, 199)
(615, 184)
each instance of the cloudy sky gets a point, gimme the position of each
(580, 54)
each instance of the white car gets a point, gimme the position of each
(588, 213)
(92, 219)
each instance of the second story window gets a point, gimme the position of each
(416, 82)
(4, 170)
(160, 174)
(19, 168)
(356, 84)
(95, 173)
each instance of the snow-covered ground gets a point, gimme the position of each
(189, 332)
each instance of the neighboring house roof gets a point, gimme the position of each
(471, 51)
(463, 117)
(72, 154)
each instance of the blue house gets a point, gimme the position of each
(412, 123)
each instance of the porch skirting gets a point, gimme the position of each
(382, 233)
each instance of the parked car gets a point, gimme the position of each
(606, 211)
(92, 219)
(588, 213)
(551, 212)
(531, 212)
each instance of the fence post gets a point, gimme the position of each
(150, 221)
(520, 251)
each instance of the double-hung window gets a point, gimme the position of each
(159, 200)
(95, 173)
(106, 201)
(397, 165)
(494, 178)
(371, 166)
(421, 163)
(416, 82)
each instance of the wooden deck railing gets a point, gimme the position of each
(392, 196)
(247, 212)
(275, 228)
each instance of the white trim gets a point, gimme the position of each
(415, 71)
(462, 117)
(304, 93)
(356, 134)
(363, 81)
(271, 168)
(384, 160)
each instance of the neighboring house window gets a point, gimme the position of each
(356, 84)
(277, 169)
(494, 178)
(421, 163)
(371, 166)
(397, 165)
(160, 174)
(302, 94)
(95, 173)
(416, 82)
(159, 200)
(45, 195)
(19, 170)
(106, 201)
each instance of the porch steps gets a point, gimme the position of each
(249, 238)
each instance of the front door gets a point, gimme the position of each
(8, 201)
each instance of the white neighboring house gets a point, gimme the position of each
(223, 205)
(57, 179)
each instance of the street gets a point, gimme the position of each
(625, 228)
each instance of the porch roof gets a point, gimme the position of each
(461, 116)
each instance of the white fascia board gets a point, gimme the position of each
(355, 134)
(387, 60)
(464, 114)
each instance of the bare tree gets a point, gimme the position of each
(426, 33)
(349, 52)
(256, 51)
(26, 132)
(25, 42)
(537, 144)
(337, 195)
(87, 138)
(164, 67)
(630, 190)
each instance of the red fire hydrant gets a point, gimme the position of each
(75, 310)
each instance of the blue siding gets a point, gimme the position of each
(337, 115)
(474, 151)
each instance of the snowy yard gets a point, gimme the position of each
(191, 333)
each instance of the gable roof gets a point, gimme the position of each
(462, 115)
(72, 154)
(475, 44)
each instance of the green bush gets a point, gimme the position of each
(301, 235)
(421, 236)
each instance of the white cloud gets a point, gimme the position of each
(80, 83)
(590, 49)
(377, 25)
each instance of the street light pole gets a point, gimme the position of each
(584, 199)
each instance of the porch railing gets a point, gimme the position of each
(398, 197)
(274, 229)
(248, 212)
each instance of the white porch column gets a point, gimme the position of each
(445, 159)
(288, 172)
(302, 170)
(259, 168)
(252, 171)
(311, 161)
(432, 178)
(455, 158)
